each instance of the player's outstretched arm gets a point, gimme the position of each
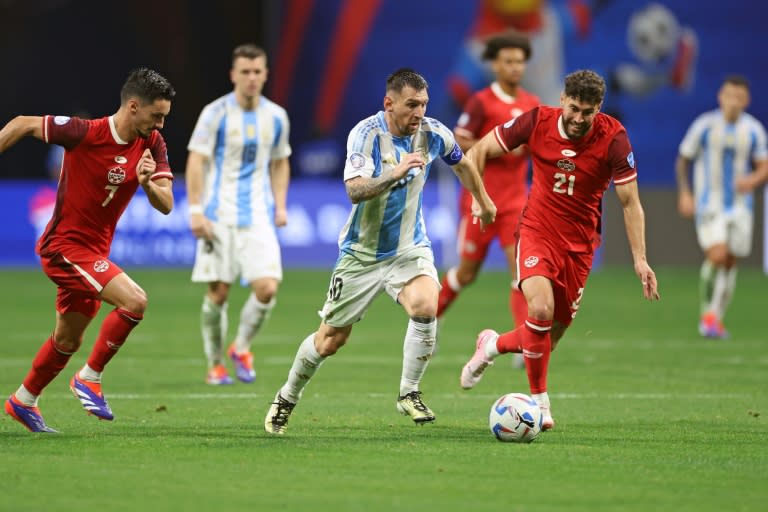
(634, 222)
(486, 148)
(482, 206)
(18, 127)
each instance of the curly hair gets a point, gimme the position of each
(585, 85)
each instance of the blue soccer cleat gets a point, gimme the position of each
(90, 395)
(243, 365)
(28, 416)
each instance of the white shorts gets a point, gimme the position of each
(355, 284)
(251, 253)
(733, 229)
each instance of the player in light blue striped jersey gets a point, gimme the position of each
(728, 150)
(384, 245)
(237, 181)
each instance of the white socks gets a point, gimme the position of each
(213, 324)
(305, 364)
(725, 284)
(25, 397)
(252, 318)
(89, 374)
(417, 350)
(453, 280)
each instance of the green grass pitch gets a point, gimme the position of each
(649, 415)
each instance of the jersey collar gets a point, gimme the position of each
(113, 130)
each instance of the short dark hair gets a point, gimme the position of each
(249, 51)
(739, 80)
(146, 85)
(507, 39)
(585, 85)
(405, 77)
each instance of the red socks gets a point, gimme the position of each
(537, 348)
(518, 306)
(114, 330)
(47, 364)
(446, 297)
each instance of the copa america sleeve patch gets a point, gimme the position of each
(454, 156)
(631, 160)
(357, 160)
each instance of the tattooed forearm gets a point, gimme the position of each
(360, 189)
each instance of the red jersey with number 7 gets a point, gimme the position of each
(569, 175)
(98, 179)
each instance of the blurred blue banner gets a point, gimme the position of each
(317, 210)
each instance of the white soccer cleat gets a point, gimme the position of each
(473, 370)
(547, 422)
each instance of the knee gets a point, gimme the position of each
(218, 294)
(136, 302)
(466, 277)
(423, 308)
(541, 310)
(68, 343)
(266, 291)
(329, 343)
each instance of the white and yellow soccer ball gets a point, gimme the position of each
(515, 418)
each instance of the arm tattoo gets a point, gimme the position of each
(360, 189)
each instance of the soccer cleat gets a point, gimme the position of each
(276, 421)
(711, 327)
(411, 405)
(90, 395)
(218, 376)
(547, 422)
(243, 365)
(28, 416)
(473, 370)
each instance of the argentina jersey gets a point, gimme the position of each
(239, 146)
(393, 221)
(722, 152)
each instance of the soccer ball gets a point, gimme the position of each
(515, 418)
(653, 33)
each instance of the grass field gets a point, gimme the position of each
(649, 416)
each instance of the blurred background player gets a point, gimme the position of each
(237, 184)
(105, 161)
(576, 151)
(727, 147)
(384, 246)
(505, 177)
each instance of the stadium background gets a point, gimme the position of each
(62, 56)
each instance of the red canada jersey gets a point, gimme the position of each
(504, 177)
(98, 179)
(569, 175)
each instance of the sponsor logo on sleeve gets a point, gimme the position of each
(631, 159)
(510, 122)
(356, 160)
(531, 261)
(61, 120)
(100, 266)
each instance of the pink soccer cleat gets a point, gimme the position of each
(473, 370)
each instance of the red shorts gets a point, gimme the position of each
(81, 275)
(568, 271)
(474, 243)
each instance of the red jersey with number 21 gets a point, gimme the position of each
(569, 175)
(98, 180)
